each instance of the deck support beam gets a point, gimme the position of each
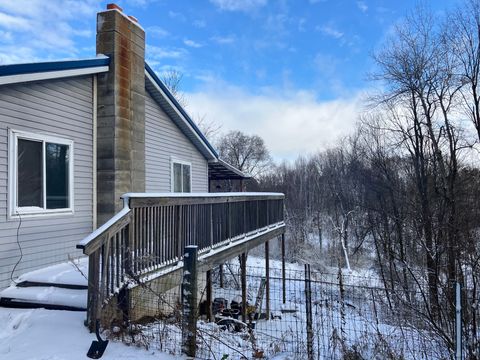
(284, 290)
(220, 270)
(209, 295)
(267, 281)
(243, 269)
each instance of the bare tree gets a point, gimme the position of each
(172, 80)
(464, 40)
(247, 153)
(208, 127)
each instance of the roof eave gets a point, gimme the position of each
(17, 73)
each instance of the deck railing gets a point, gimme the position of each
(151, 231)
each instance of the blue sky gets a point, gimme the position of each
(293, 71)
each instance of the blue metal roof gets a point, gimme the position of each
(30, 68)
(180, 109)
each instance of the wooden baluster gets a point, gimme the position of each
(229, 221)
(179, 236)
(116, 280)
(112, 264)
(245, 229)
(134, 241)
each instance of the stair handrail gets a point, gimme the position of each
(93, 241)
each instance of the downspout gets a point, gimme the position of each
(94, 160)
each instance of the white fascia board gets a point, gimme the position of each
(178, 112)
(13, 79)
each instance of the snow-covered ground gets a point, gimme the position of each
(344, 319)
(39, 334)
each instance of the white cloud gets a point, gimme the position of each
(362, 6)
(301, 24)
(199, 24)
(223, 39)
(10, 22)
(292, 124)
(192, 43)
(331, 31)
(238, 5)
(44, 29)
(157, 31)
(177, 15)
(156, 52)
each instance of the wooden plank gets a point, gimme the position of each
(98, 241)
(207, 262)
(140, 202)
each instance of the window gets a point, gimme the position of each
(40, 175)
(181, 176)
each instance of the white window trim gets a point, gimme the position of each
(13, 210)
(182, 162)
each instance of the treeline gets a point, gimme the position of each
(403, 192)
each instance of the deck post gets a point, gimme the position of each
(220, 270)
(267, 282)
(209, 295)
(189, 300)
(243, 267)
(284, 290)
(93, 289)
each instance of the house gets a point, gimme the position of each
(75, 135)
(92, 155)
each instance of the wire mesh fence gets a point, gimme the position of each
(325, 316)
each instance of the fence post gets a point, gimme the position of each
(189, 300)
(308, 310)
(458, 322)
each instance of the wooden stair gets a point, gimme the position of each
(58, 287)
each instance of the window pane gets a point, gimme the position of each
(177, 177)
(30, 185)
(56, 162)
(186, 178)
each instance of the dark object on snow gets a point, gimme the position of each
(98, 346)
(234, 313)
(219, 304)
(236, 303)
(203, 308)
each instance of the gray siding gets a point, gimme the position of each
(60, 107)
(164, 140)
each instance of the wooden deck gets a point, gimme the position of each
(146, 240)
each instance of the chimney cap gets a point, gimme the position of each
(133, 18)
(113, 6)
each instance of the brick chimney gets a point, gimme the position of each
(120, 111)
